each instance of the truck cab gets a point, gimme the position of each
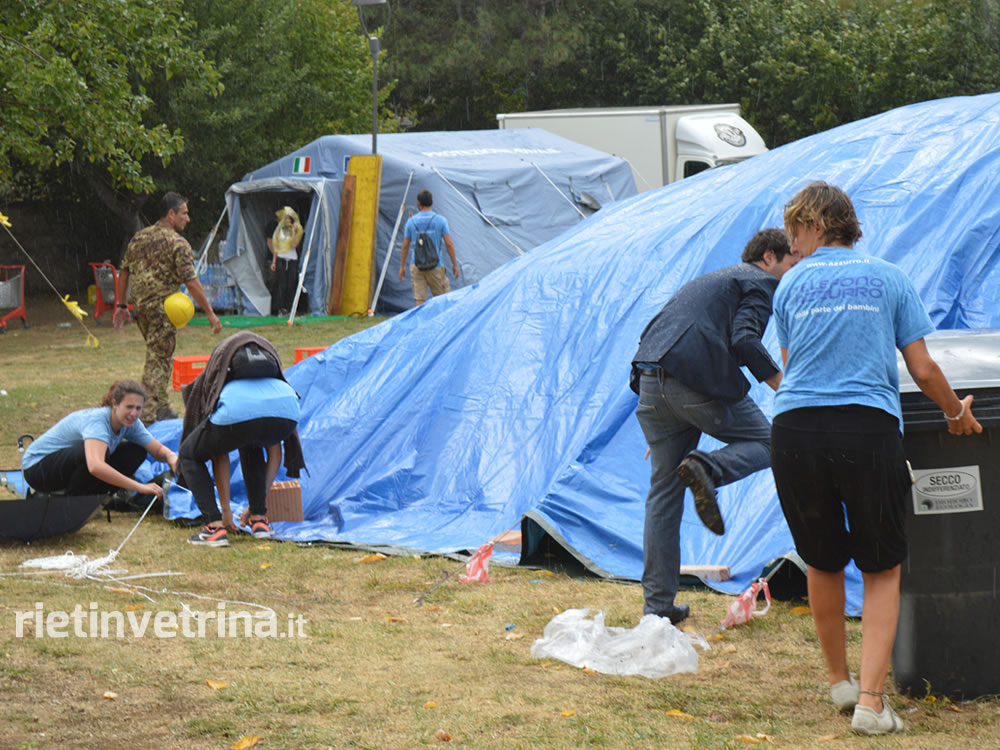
(706, 141)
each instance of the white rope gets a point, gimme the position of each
(474, 208)
(565, 197)
(79, 566)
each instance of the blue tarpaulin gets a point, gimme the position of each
(448, 424)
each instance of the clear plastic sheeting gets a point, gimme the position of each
(446, 425)
(653, 648)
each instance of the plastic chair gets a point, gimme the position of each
(106, 281)
(12, 295)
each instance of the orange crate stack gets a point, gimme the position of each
(186, 368)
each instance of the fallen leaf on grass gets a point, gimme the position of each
(587, 670)
(748, 739)
(442, 735)
(132, 607)
(216, 684)
(568, 712)
(721, 664)
(431, 608)
(372, 558)
(110, 696)
(514, 637)
(956, 709)
(799, 611)
(678, 714)
(265, 566)
(430, 704)
(546, 573)
(244, 742)
(123, 591)
(730, 649)
(394, 618)
(716, 637)
(830, 737)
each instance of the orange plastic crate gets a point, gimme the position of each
(186, 368)
(302, 352)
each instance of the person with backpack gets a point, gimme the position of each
(425, 232)
(239, 402)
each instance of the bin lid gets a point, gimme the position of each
(969, 359)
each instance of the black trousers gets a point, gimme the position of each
(288, 279)
(249, 438)
(67, 470)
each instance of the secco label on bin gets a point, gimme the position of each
(953, 490)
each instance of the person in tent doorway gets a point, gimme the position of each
(688, 378)
(239, 402)
(426, 232)
(283, 243)
(157, 261)
(836, 444)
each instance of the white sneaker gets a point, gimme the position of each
(845, 694)
(868, 721)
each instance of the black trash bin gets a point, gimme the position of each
(950, 590)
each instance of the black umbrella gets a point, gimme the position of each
(42, 516)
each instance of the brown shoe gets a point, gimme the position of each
(694, 474)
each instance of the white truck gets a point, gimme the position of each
(661, 144)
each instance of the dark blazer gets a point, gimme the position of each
(709, 328)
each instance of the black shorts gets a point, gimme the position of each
(832, 459)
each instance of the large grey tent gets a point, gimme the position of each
(503, 192)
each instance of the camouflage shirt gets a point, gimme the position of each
(158, 260)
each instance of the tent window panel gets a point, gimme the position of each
(497, 203)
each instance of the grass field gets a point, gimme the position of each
(372, 669)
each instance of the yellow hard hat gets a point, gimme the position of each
(179, 308)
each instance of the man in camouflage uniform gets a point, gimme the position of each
(158, 260)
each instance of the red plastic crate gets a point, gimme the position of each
(302, 352)
(186, 368)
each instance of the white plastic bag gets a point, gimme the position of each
(653, 648)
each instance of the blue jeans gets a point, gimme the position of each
(673, 418)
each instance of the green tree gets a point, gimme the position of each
(293, 71)
(74, 79)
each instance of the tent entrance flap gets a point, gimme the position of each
(252, 209)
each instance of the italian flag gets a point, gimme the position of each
(301, 165)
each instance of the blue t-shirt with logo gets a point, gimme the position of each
(435, 225)
(255, 398)
(82, 425)
(842, 315)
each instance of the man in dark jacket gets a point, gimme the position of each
(687, 374)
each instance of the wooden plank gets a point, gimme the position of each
(360, 268)
(343, 239)
(706, 572)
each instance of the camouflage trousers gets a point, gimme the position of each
(161, 339)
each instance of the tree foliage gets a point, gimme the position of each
(293, 71)
(796, 66)
(120, 98)
(74, 78)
